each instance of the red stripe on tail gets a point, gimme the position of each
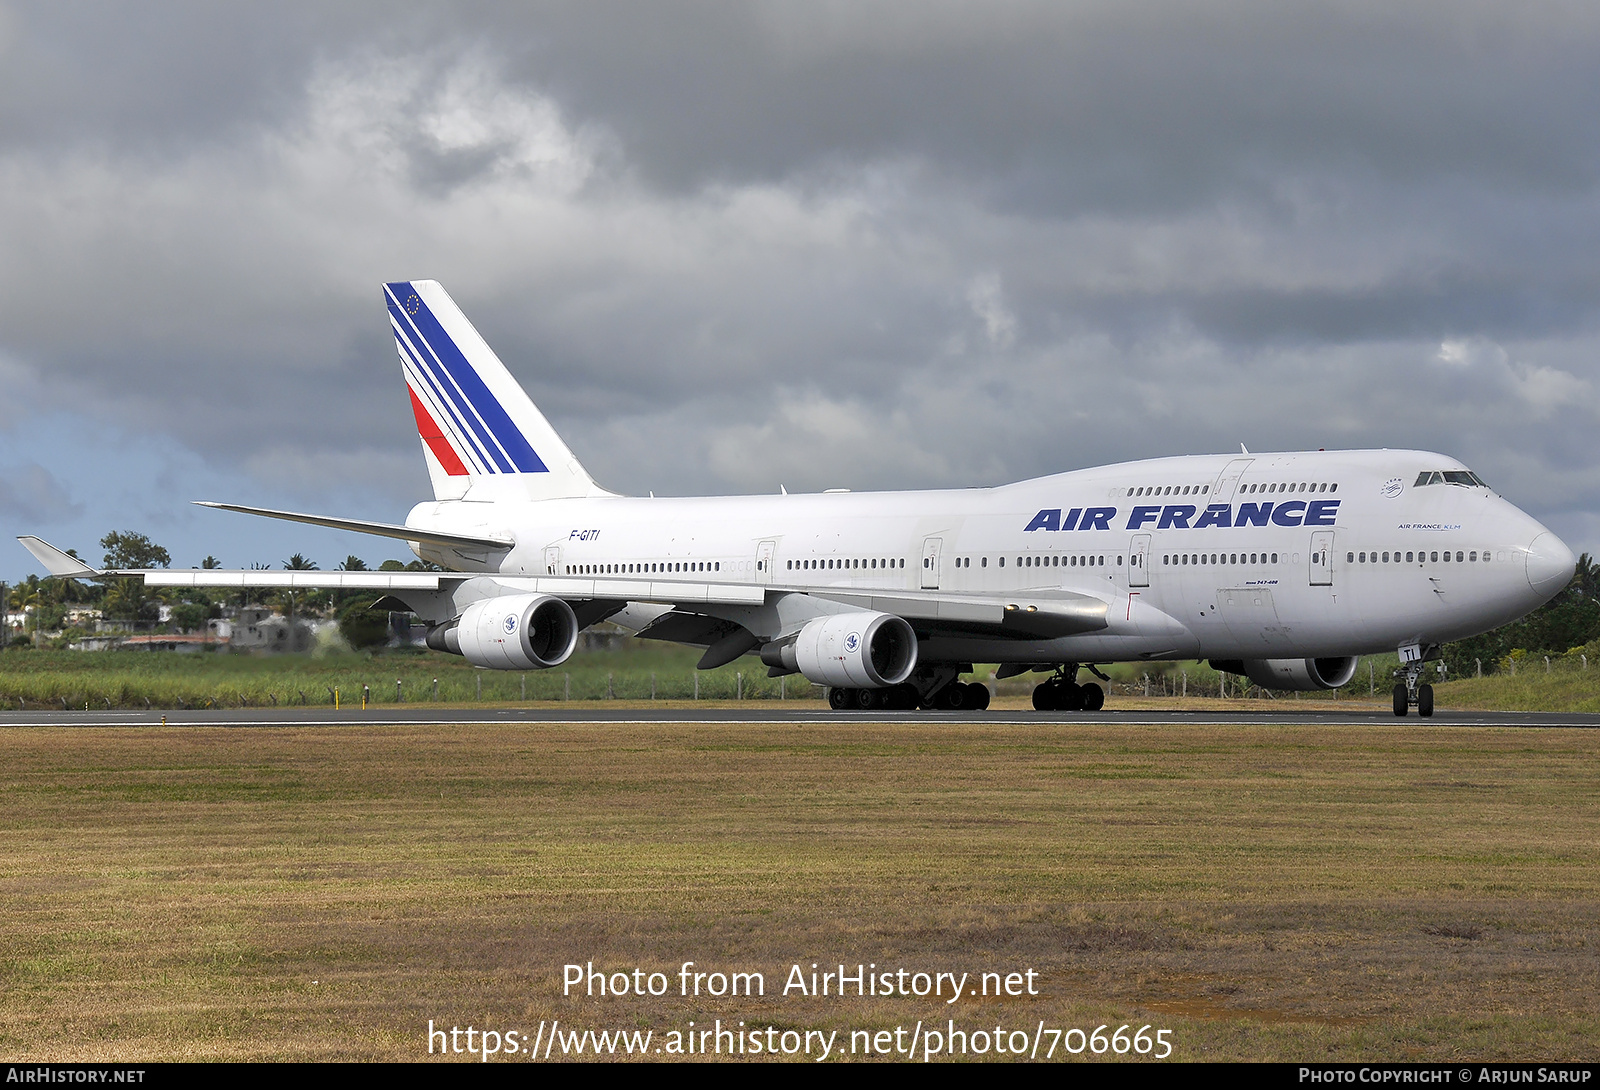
(434, 437)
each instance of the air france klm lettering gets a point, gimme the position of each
(1283, 567)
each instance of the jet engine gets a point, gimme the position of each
(512, 632)
(849, 650)
(1303, 674)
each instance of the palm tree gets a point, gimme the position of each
(296, 563)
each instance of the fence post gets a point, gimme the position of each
(566, 686)
(652, 684)
(1372, 681)
(524, 687)
(738, 685)
(1547, 664)
(609, 695)
(1185, 683)
(783, 688)
(1478, 663)
(436, 690)
(697, 685)
(479, 679)
(1147, 685)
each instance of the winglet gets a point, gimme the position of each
(54, 560)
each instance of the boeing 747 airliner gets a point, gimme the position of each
(1281, 567)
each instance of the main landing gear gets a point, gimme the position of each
(1062, 693)
(1409, 694)
(953, 696)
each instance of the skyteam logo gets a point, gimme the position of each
(1392, 488)
(852, 643)
(511, 624)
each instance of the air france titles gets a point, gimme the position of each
(1187, 516)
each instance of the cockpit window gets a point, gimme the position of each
(1462, 477)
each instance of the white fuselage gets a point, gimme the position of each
(1289, 555)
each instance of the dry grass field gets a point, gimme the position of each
(1398, 892)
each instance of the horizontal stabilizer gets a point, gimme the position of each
(380, 529)
(54, 560)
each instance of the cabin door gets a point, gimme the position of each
(1322, 558)
(1139, 561)
(930, 562)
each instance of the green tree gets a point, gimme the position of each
(131, 550)
(127, 599)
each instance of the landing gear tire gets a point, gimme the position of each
(838, 699)
(1425, 701)
(901, 698)
(1094, 697)
(1058, 695)
(1401, 704)
(867, 699)
(1044, 697)
(977, 698)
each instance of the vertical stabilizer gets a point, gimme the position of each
(482, 436)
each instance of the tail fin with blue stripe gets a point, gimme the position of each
(482, 436)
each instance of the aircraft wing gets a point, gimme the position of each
(1027, 616)
(62, 564)
(362, 526)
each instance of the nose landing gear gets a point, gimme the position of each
(1410, 692)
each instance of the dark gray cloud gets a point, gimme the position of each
(865, 245)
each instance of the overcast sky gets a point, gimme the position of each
(728, 247)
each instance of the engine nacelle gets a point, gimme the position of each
(514, 632)
(853, 650)
(1303, 674)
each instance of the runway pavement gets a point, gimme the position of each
(599, 713)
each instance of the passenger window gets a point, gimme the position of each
(1458, 558)
(1435, 558)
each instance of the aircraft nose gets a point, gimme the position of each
(1550, 564)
